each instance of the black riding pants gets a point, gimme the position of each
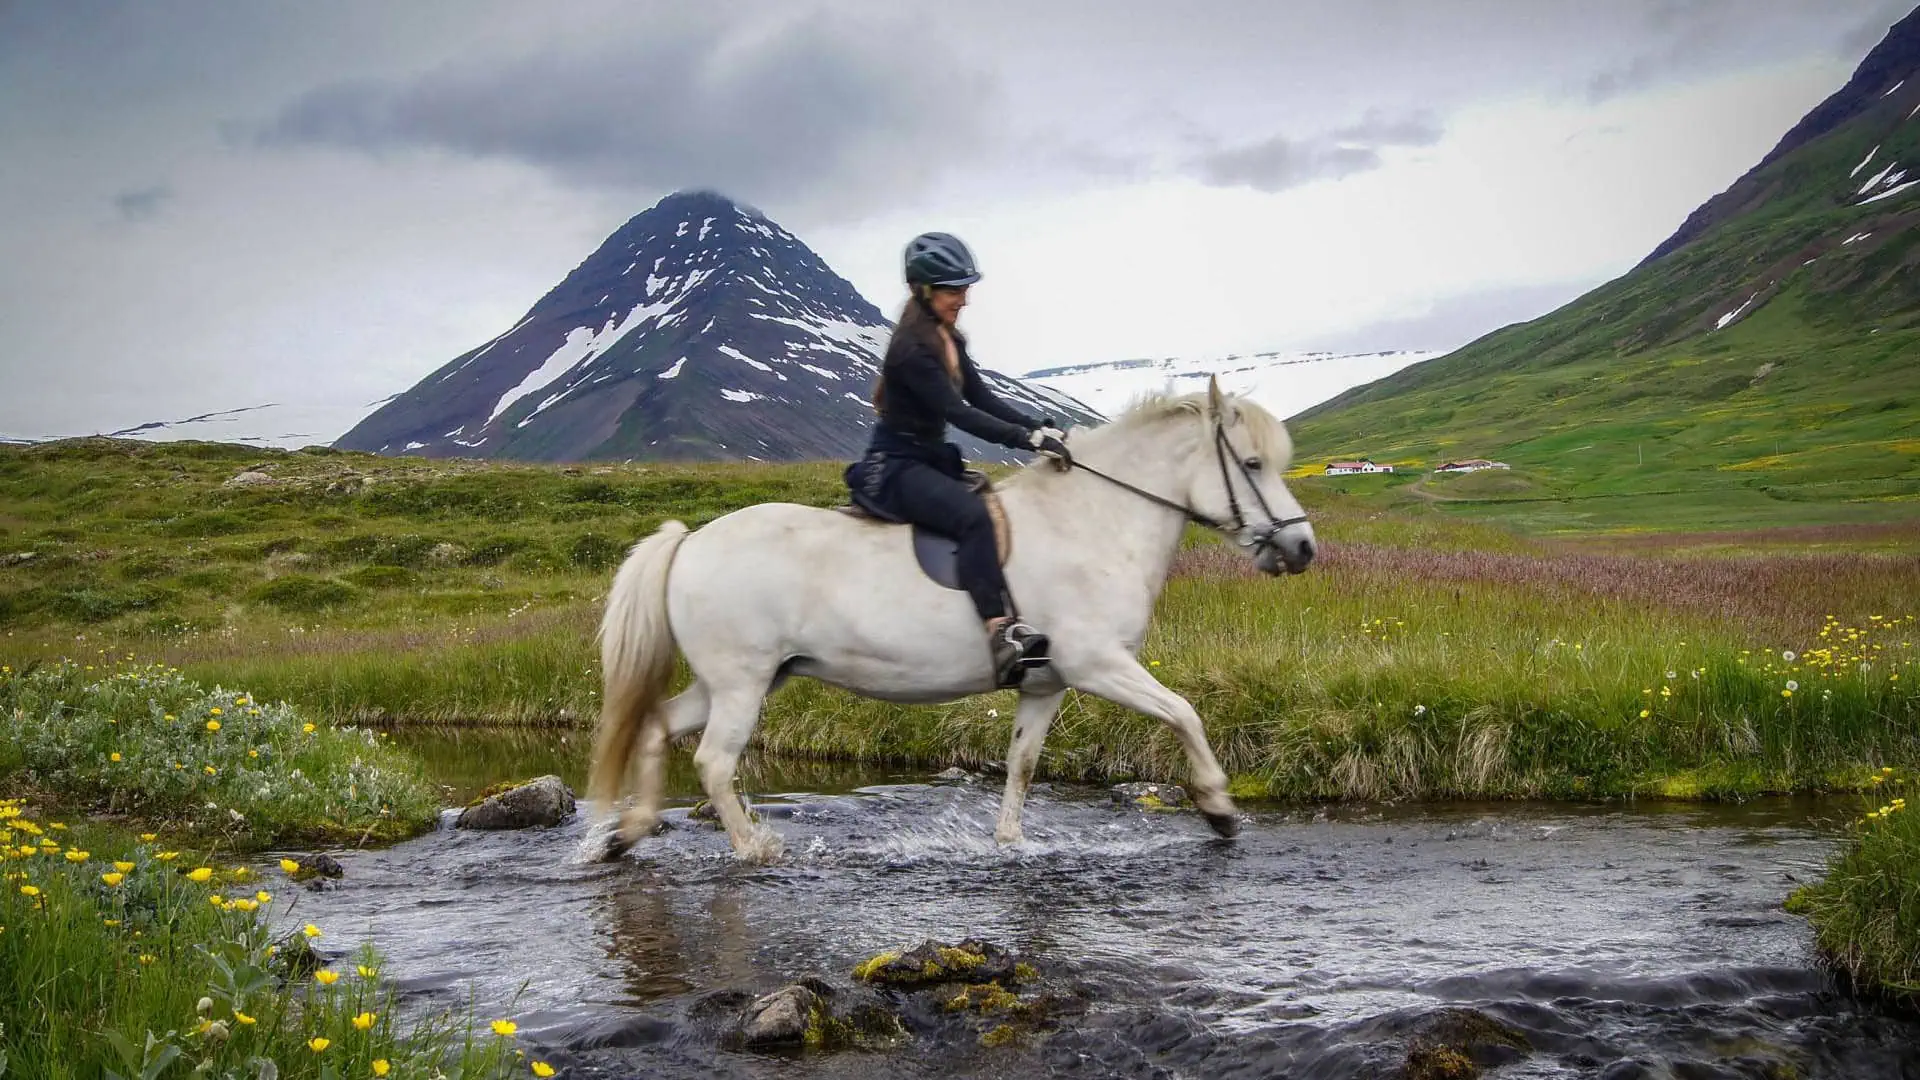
(923, 495)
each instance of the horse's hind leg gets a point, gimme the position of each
(731, 718)
(1030, 725)
(685, 713)
(1120, 679)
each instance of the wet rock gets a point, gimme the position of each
(954, 774)
(933, 962)
(1455, 1044)
(704, 811)
(19, 558)
(250, 479)
(538, 803)
(295, 958)
(317, 865)
(1151, 796)
(779, 1018)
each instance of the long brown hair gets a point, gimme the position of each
(919, 326)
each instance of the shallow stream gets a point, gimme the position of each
(1623, 941)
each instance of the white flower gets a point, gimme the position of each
(1792, 685)
(1419, 710)
(993, 714)
(1788, 656)
(1672, 675)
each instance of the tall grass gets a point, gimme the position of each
(121, 959)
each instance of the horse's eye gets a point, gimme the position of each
(1252, 464)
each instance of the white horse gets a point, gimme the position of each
(778, 590)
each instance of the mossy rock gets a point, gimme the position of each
(934, 962)
(1455, 1044)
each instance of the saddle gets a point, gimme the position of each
(939, 555)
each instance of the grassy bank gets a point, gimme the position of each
(1866, 913)
(121, 958)
(218, 765)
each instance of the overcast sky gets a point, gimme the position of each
(213, 205)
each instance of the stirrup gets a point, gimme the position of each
(1018, 647)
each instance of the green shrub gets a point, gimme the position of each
(300, 593)
(595, 551)
(383, 577)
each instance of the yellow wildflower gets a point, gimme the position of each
(307, 728)
(542, 1069)
(215, 711)
(114, 757)
(319, 1043)
(368, 972)
(380, 1066)
(145, 959)
(363, 1021)
(289, 866)
(77, 856)
(113, 879)
(109, 922)
(213, 725)
(326, 976)
(201, 874)
(246, 905)
(29, 890)
(263, 896)
(311, 930)
(210, 770)
(242, 1017)
(123, 867)
(167, 856)
(505, 1027)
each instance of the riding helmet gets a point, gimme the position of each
(940, 259)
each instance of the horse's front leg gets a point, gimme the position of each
(1030, 723)
(1120, 679)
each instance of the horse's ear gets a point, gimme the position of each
(1218, 407)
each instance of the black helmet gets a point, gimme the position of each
(940, 259)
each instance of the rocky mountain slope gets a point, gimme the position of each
(699, 330)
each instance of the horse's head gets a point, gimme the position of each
(1236, 477)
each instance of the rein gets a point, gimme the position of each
(1223, 449)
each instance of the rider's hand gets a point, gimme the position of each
(1052, 443)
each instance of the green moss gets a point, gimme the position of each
(491, 790)
(1024, 972)
(1799, 901)
(956, 959)
(867, 969)
(983, 998)
(1000, 1035)
(1440, 1063)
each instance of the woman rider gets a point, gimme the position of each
(911, 473)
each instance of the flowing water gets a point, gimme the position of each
(1623, 941)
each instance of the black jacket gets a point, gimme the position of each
(918, 398)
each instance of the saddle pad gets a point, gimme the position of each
(939, 555)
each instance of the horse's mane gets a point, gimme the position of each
(1265, 435)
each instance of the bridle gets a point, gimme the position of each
(1223, 449)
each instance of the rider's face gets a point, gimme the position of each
(948, 302)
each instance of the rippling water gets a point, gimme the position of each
(1623, 941)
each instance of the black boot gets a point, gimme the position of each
(1017, 647)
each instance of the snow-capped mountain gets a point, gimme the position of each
(1284, 383)
(698, 330)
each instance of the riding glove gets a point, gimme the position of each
(1051, 442)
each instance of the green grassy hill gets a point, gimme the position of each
(1762, 367)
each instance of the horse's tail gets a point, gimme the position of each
(636, 657)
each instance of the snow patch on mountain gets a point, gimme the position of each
(1283, 383)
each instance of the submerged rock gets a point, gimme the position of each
(542, 803)
(1455, 1044)
(955, 773)
(1151, 796)
(813, 1014)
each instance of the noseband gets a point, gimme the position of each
(1223, 449)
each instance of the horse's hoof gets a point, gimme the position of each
(1227, 825)
(615, 847)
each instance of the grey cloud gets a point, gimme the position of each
(1279, 163)
(826, 109)
(142, 204)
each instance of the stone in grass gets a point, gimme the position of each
(250, 479)
(538, 803)
(1151, 796)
